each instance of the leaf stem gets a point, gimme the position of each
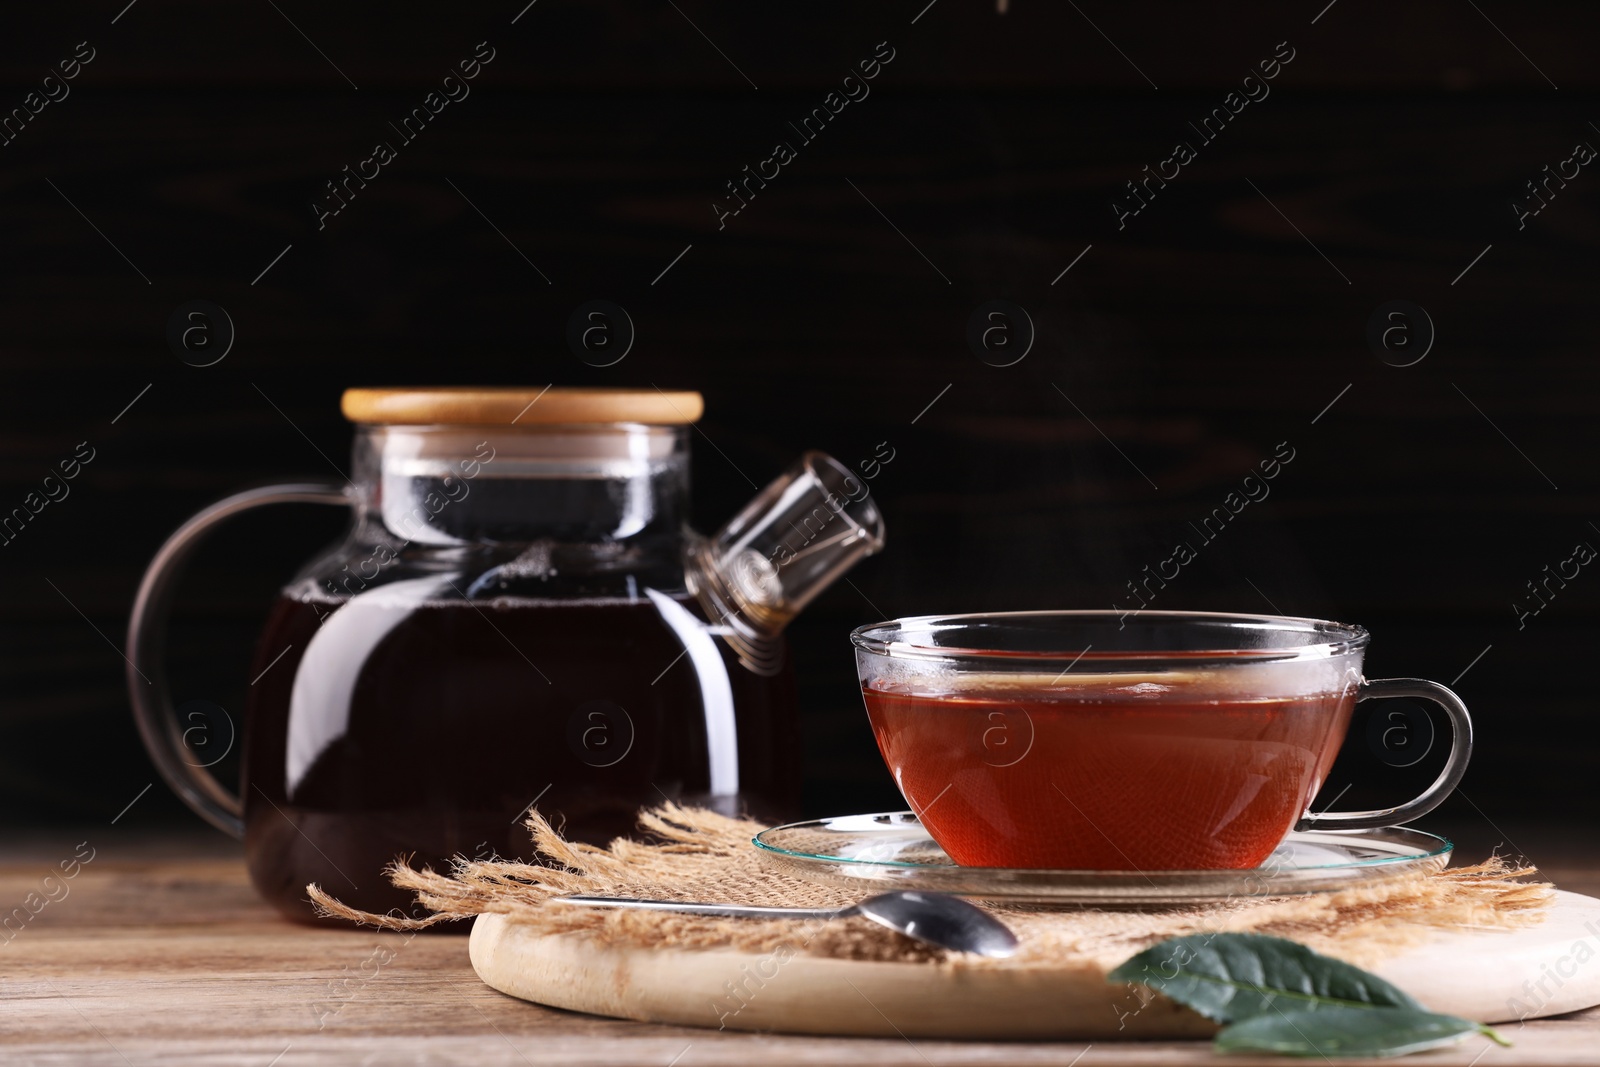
(1493, 1035)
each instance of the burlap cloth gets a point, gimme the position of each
(697, 855)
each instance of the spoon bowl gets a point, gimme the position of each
(939, 919)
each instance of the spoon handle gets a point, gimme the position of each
(748, 911)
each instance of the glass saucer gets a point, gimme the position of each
(892, 851)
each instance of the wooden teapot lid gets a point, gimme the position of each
(500, 405)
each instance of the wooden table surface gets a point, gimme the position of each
(159, 952)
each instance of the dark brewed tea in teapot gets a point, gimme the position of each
(603, 717)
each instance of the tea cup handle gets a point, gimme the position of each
(1454, 767)
(147, 639)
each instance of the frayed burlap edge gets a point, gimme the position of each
(697, 855)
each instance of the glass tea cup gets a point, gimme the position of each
(1093, 740)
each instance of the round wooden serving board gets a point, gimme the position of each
(1489, 976)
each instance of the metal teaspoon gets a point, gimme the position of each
(933, 918)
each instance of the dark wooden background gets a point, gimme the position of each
(1195, 339)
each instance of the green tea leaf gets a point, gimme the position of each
(1344, 1031)
(1229, 977)
(1279, 996)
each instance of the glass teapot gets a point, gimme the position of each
(518, 617)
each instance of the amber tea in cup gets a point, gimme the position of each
(1098, 741)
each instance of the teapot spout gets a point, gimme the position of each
(798, 535)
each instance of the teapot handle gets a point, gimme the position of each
(147, 641)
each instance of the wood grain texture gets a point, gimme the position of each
(1179, 348)
(613, 43)
(1194, 341)
(1484, 975)
(162, 955)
